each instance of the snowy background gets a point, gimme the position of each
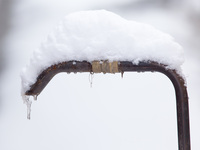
(136, 112)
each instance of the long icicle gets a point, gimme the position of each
(91, 76)
(28, 103)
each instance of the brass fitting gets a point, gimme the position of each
(105, 67)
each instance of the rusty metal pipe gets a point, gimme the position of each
(181, 97)
(125, 66)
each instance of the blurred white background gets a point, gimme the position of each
(136, 112)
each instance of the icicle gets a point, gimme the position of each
(29, 110)
(35, 97)
(122, 74)
(91, 76)
(28, 103)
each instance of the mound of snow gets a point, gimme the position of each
(102, 35)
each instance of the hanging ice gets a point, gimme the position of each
(28, 103)
(35, 97)
(91, 76)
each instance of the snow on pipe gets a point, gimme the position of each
(125, 66)
(127, 46)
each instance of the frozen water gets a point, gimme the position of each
(28, 103)
(102, 35)
(91, 77)
(122, 75)
(35, 97)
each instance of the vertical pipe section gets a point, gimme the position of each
(182, 109)
(181, 96)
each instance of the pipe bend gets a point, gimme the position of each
(126, 66)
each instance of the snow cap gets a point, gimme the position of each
(102, 35)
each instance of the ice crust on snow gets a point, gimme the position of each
(102, 35)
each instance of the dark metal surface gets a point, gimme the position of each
(124, 66)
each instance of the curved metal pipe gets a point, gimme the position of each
(125, 66)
